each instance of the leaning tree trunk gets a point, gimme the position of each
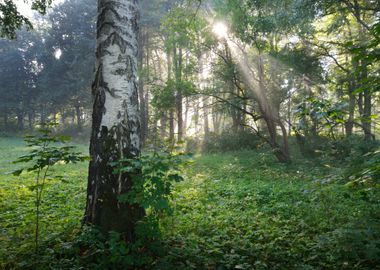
(280, 151)
(116, 123)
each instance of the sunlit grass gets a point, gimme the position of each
(237, 210)
(243, 210)
(62, 206)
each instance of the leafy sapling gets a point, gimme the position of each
(46, 150)
(154, 174)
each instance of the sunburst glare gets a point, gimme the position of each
(220, 29)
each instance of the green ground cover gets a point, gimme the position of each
(62, 206)
(239, 210)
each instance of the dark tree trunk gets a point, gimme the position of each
(78, 113)
(216, 121)
(205, 120)
(20, 119)
(178, 76)
(365, 107)
(163, 125)
(271, 120)
(6, 118)
(63, 117)
(349, 125)
(179, 116)
(42, 114)
(146, 116)
(171, 125)
(143, 102)
(367, 115)
(367, 95)
(185, 118)
(54, 116)
(116, 124)
(31, 116)
(290, 116)
(196, 113)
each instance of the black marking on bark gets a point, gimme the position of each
(110, 27)
(117, 39)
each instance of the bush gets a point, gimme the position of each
(193, 145)
(356, 161)
(78, 134)
(230, 141)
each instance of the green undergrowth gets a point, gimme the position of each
(245, 211)
(239, 210)
(62, 208)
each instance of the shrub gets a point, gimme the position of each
(78, 134)
(230, 141)
(45, 151)
(193, 145)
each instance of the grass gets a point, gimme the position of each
(62, 206)
(235, 211)
(238, 210)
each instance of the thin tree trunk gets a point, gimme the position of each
(63, 116)
(142, 43)
(146, 115)
(43, 114)
(216, 120)
(367, 115)
(205, 120)
(145, 112)
(31, 119)
(6, 118)
(196, 114)
(178, 76)
(79, 116)
(163, 126)
(367, 105)
(349, 125)
(171, 125)
(20, 118)
(186, 115)
(290, 116)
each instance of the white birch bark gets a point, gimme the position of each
(116, 123)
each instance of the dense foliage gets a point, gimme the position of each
(226, 214)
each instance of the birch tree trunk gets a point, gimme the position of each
(116, 121)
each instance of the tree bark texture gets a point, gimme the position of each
(142, 44)
(116, 118)
(178, 59)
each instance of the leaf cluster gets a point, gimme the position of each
(46, 151)
(323, 112)
(153, 176)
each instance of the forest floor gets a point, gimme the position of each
(238, 210)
